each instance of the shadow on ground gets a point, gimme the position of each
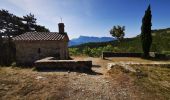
(108, 59)
(96, 66)
(89, 72)
(149, 59)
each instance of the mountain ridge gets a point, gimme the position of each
(88, 39)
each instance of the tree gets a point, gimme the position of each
(12, 25)
(146, 37)
(9, 23)
(30, 22)
(118, 32)
(39, 28)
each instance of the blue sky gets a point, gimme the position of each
(92, 17)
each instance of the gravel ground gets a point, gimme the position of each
(26, 84)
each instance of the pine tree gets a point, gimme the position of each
(146, 37)
(10, 24)
(39, 28)
(30, 22)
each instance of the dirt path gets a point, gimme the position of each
(16, 83)
(101, 86)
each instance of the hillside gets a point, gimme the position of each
(87, 39)
(160, 44)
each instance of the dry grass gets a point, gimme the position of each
(17, 83)
(152, 83)
(157, 82)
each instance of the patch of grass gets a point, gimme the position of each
(116, 71)
(154, 82)
(157, 83)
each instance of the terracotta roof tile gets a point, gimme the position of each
(33, 36)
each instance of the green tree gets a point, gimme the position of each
(118, 32)
(39, 28)
(30, 19)
(31, 26)
(30, 22)
(9, 23)
(146, 36)
(12, 25)
(9, 26)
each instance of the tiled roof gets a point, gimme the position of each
(33, 36)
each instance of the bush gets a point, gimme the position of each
(97, 52)
(166, 52)
(74, 51)
(108, 48)
(116, 49)
(87, 51)
(93, 52)
(131, 49)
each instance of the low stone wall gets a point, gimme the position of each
(113, 54)
(154, 64)
(51, 64)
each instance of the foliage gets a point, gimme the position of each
(9, 23)
(166, 52)
(93, 52)
(160, 44)
(87, 51)
(118, 32)
(39, 28)
(146, 36)
(74, 51)
(30, 19)
(12, 25)
(30, 22)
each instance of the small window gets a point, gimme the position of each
(39, 50)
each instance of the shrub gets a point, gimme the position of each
(131, 49)
(87, 51)
(166, 52)
(108, 48)
(74, 51)
(116, 49)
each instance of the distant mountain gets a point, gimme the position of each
(160, 43)
(87, 39)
